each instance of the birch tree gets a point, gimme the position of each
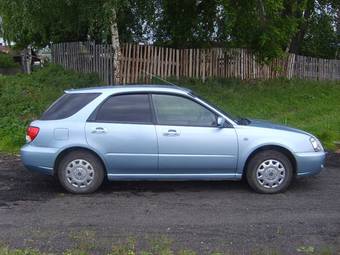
(116, 46)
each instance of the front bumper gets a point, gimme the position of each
(38, 159)
(310, 163)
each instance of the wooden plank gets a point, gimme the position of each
(190, 62)
(129, 65)
(177, 63)
(162, 62)
(204, 65)
(144, 76)
(166, 55)
(147, 76)
(157, 62)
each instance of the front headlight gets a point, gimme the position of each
(316, 144)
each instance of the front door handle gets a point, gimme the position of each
(99, 130)
(171, 132)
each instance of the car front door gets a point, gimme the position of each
(189, 141)
(121, 129)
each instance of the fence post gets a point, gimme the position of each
(290, 65)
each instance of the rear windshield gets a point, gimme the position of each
(67, 105)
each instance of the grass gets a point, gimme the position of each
(310, 105)
(24, 97)
(160, 246)
(313, 106)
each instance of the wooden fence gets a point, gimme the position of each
(86, 58)
(140, 63)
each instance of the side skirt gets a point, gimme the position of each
(174, 177)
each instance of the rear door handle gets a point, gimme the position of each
(99, 130)
(171, 132)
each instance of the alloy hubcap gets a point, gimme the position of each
(79, 173)
(270, 173)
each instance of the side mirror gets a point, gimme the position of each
(221, 122)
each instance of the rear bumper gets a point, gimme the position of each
(310, 163)
(38, 159)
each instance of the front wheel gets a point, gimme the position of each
(269, 172)
(80, 172)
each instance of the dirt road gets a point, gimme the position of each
(203, 216)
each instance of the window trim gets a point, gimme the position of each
(93, 116)
(188, 98)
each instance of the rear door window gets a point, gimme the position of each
(128, 108)
(67, 105)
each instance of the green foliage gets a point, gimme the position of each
(6, 61)
(270, 28)
(41, 22)
(24, 97)
(191, 23)
(262, 25)
(320, 37)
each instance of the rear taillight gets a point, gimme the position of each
(31, 133)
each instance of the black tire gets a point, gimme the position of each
(259, 161)
(85, 166)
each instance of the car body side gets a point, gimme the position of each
(43, 153)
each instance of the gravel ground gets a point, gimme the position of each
(203, 216)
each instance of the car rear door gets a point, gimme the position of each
(189, 141)
(121, 129)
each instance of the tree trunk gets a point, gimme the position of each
(26, 59)
(295, 43)
(116, 47)
(337, 53)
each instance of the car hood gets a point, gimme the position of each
(271, 125)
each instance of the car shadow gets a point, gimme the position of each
(173, 186)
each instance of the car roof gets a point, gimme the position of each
(131, 88)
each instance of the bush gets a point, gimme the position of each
(6, 61)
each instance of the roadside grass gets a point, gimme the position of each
(157, 247)
(24, 97)
(313, 106)
(85, 242)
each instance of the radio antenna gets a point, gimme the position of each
(159, 78)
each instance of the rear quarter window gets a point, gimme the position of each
(67, 105)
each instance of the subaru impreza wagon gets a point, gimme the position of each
(162, 133)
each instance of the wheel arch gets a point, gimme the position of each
(67, 150)
(278, 148)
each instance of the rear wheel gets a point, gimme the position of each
(269, 172)
(80, 172)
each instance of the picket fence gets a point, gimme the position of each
(142, 63)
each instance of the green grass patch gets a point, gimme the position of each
(156, 247)
(24, 97)
(310, 105)
(313, 106)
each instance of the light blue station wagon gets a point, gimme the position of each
(153, 132)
